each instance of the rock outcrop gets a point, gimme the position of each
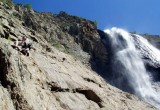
(54, 80)
(50, 79)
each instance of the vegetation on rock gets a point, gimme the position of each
(28, 6)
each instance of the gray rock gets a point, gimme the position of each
(49, 79)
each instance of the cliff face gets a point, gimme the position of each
(50, 79)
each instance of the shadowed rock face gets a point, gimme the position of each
(49, 78)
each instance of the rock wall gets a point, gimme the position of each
(50, 79)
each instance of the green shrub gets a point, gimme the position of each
(28, 6)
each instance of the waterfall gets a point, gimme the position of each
(132, 66)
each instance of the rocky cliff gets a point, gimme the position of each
(58, 74)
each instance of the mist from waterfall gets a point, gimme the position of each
(132, 66)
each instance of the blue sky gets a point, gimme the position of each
(142, 16)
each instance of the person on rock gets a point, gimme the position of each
(25, 45)
(21, 42)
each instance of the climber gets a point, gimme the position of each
(21, 42)
(25, 45)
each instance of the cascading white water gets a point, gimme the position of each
(134, 69)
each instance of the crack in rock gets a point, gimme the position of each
(3, 69)
(89, 94)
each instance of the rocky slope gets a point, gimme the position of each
(50, 79)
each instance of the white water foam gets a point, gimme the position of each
(126, 53)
